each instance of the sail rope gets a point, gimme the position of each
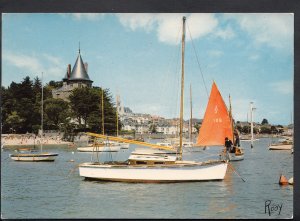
(198, 60)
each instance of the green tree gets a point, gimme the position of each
(83, 102)
(25, 99)
(153, 128)
(265, 130)
(55, 84)
(239, 128)
(197, 127)
(264, 122)
(86, 104)
(246, 129)
(56, 112)
(14, 121)
(274, 130)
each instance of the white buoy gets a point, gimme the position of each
(72, 160)
(291, 181)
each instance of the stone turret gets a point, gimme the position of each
(76, 77)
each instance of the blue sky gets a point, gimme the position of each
(250, 57)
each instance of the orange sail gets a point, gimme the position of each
(216, 124)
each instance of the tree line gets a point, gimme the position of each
(21, 109)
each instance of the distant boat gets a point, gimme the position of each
(105, 146)
(152, 168)
(283, 145)
(39, 156)
(217, 125)
(99, 149)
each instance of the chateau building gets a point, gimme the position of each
(76, 78)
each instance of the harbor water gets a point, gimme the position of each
(55, 189)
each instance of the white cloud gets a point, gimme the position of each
(87, 16)
(273, 29)
(201, 24)
(283, 87)
(24, 62)
(215, 53)
(168, 26)
(141, 20)
(50, 65)
(226, 33)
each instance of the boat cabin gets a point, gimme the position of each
(151, 160)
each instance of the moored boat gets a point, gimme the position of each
(99, 149)
(217, 125)
(149, 168)
(283, 145)
(28, 155)
(33, 157)
(280, 146)
(154, 170)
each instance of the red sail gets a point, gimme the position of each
(216, 124)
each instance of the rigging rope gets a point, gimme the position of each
(198, 60)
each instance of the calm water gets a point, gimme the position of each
(55, 190)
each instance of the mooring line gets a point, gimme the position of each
(229, 164)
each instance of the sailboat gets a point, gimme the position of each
(286, 143)
(217, 124)
(153, 168)
(36, 156)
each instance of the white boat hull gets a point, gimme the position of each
(249, 140)
(173, 173)
(34, 157)
(281, 147)
(99, 149)
(234, 157)
(124, 145)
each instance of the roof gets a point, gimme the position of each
(79, 72)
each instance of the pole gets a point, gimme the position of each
(117, 118)
(231, 120)
(102, 111)
(251, 116)
(42, 101)
(182, 87)
(191, 120)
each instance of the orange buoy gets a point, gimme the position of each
(283, 180)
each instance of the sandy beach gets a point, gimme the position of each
(11, 140)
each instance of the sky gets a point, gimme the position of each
(138, 56)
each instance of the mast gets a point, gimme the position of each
(231, 120)
(117, 101)
(191, 126)
(102, 111)
(182, 86)
(251, 118)
(42, 114)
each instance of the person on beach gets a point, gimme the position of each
(237, 138)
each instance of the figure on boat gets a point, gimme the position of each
(237, 138)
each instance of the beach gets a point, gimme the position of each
(17, 140)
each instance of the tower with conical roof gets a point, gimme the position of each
(76, 77)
